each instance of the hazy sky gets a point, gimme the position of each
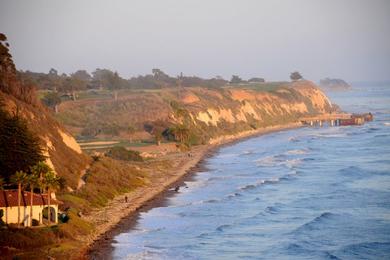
(348, 39)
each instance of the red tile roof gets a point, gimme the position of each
(9, 198)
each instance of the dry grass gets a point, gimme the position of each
(108, 178)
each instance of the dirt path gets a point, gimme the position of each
(81, 182)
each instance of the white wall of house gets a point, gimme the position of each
(11, 214)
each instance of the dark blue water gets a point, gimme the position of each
(310, 193)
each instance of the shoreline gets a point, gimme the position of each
(125, 216)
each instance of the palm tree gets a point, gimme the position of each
(40, 170)
(19, 178)
(33, 182)
(2, 182)
(51, 183)
(181, 133)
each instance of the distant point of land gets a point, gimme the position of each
(329, 84)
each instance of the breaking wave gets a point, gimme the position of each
(278, 160)
(246, 153)
(297, 152)
(293, 139)
(316, 223)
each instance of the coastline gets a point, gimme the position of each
(124, 216)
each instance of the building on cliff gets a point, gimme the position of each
(9, 206)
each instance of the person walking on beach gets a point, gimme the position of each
(126, 199)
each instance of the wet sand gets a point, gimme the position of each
(118, 216)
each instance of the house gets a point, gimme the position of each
(9, 206)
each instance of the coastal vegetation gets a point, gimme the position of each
(17, 144)
(121, 153)
(295, 75)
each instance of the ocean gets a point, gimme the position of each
(308, 193)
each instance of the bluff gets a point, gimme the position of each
(206, 112)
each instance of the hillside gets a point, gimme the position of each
(63, 153)
(207, 112)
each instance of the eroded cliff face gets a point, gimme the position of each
(295, 100)
(61, 149)
(209, 113)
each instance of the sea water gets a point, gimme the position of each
(308, 193)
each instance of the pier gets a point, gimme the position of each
(341, 119)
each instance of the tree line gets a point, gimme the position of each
(107, 79)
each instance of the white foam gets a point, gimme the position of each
(293, 162)
(146, 255)
(297, 152)
(266, 161)
(275, 161)
(275, 179)
(292, 173)
(227, 155)
(247, 153)
(328, 135)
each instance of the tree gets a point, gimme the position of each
(130, 131)
(33, 182)
(256, 80)
(9, 82)
(115, 84)
(73, 84)
(2, 182)
(20, 179)
(53, 72)
(108, 79)
(45, 179)
(51, 183)
(294, 76)
(236, 80)
(52, 100)
(40, 170)
(181, 133)
(19, 147)
(158, 137)
(161, 75)
(52, 80)
(82, 75)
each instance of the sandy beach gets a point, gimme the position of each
(118, 216)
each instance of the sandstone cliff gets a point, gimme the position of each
(208, 112)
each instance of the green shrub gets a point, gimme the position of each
(121, 153)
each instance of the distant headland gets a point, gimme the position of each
(330, 84)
